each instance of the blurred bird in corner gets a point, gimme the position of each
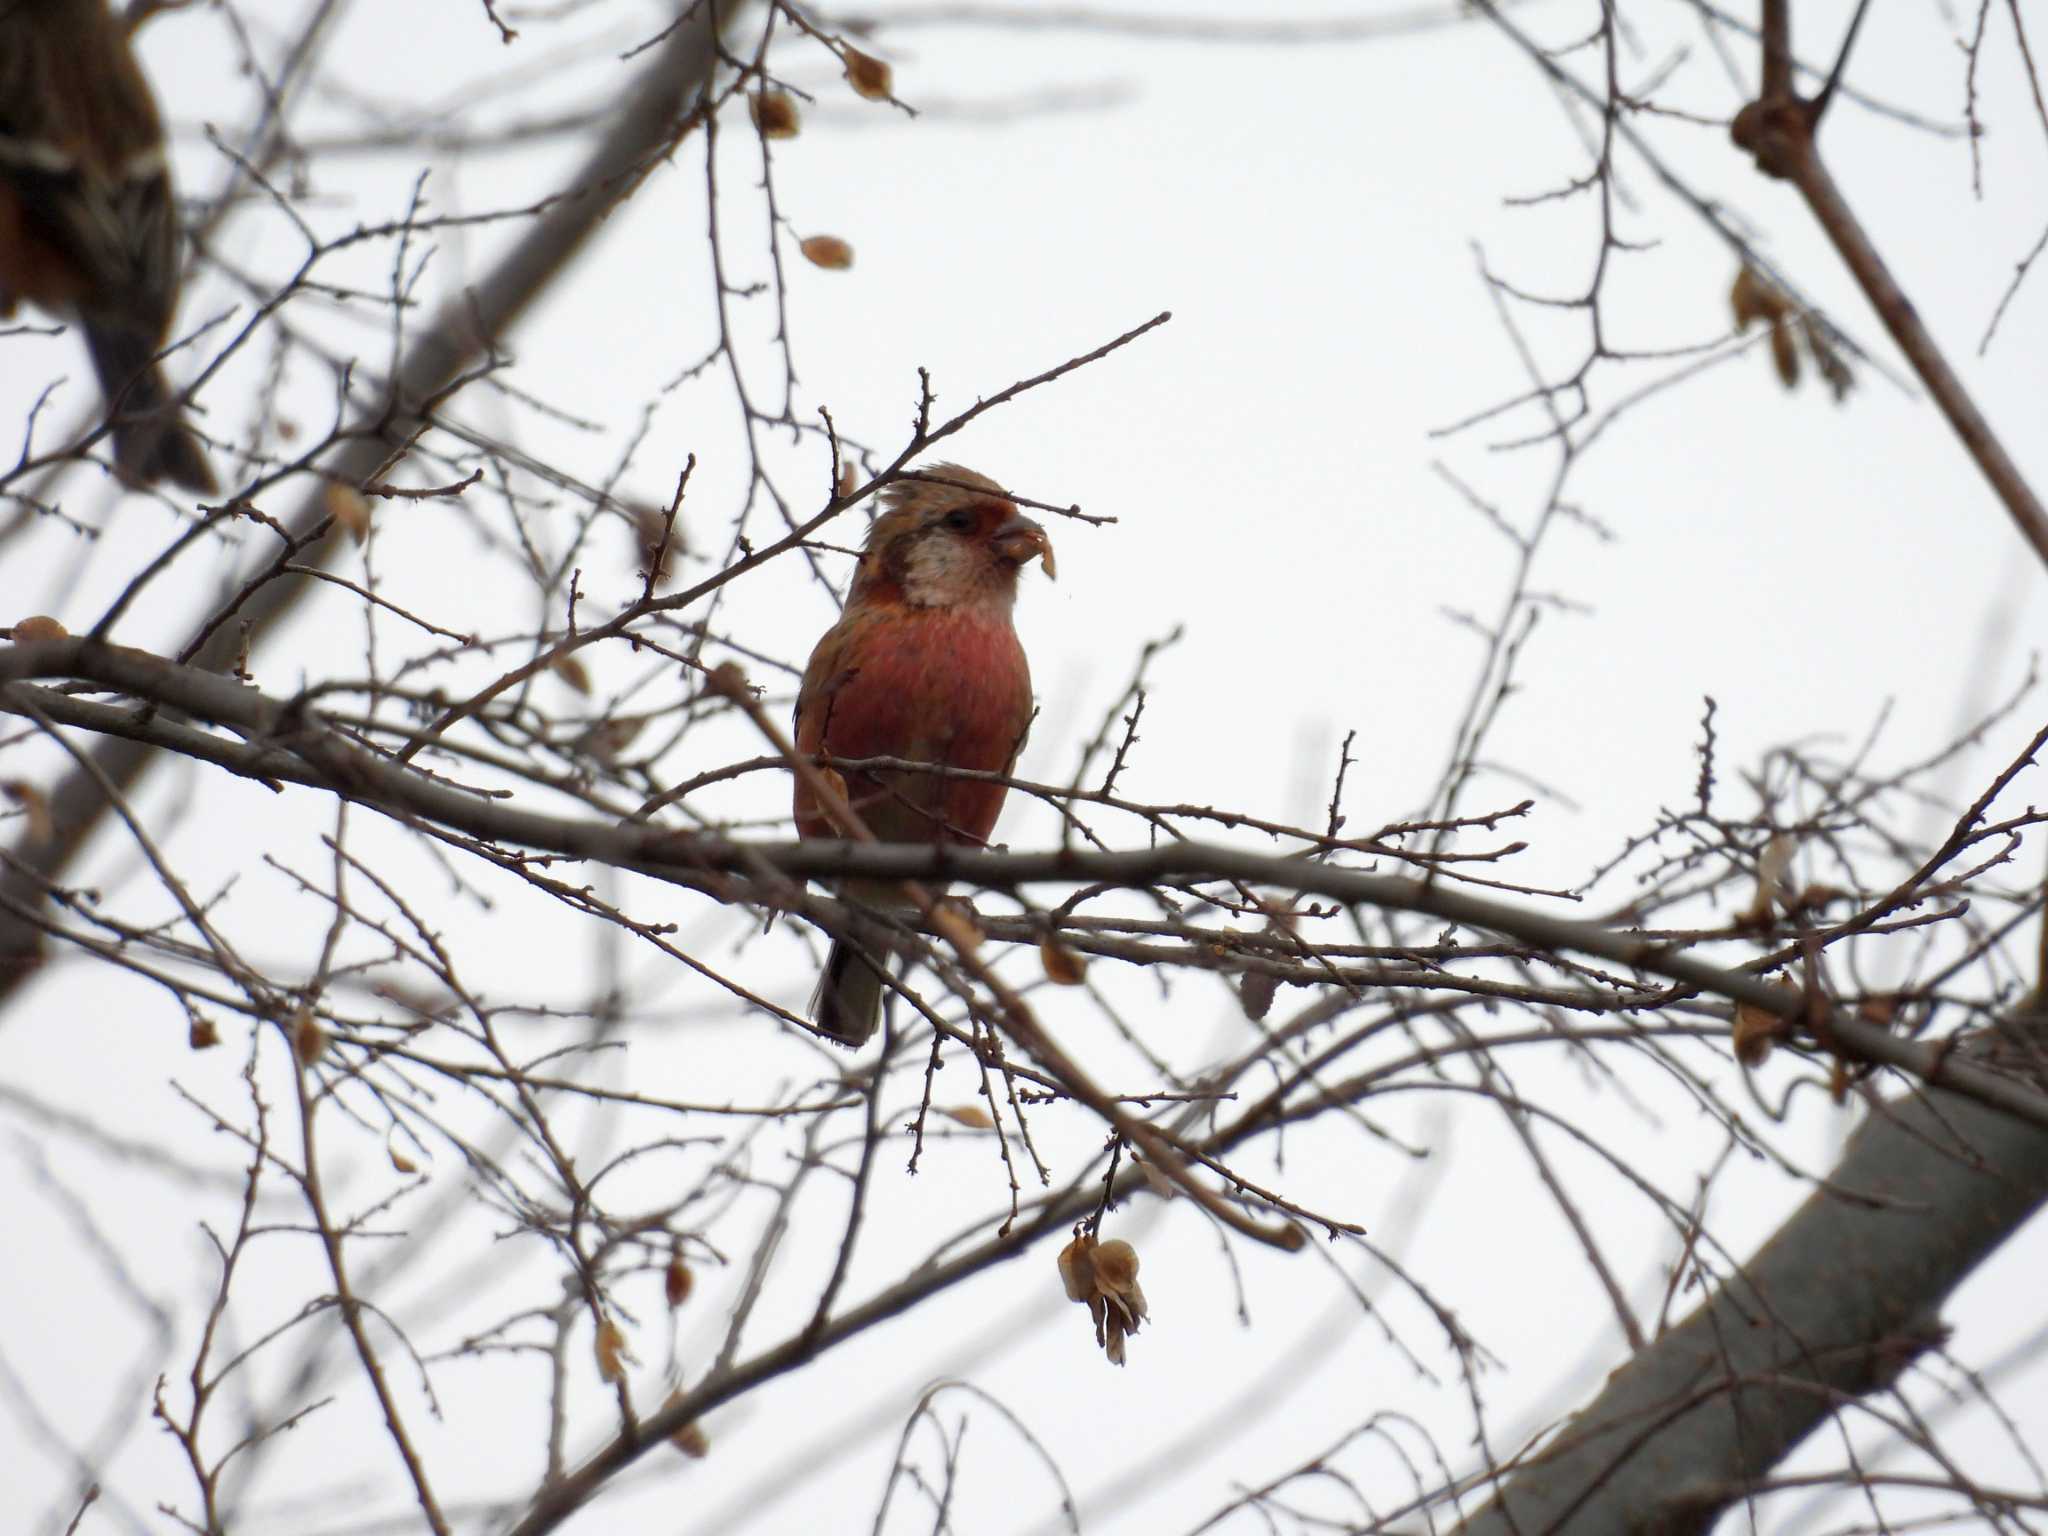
(88, 225)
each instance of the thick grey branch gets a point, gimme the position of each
(1834, 1306)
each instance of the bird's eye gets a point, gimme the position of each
(961, 521)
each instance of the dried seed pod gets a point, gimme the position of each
(827, 251)
(869, 77)
(677, 1282)
(1063, 967)
(774, 114)
(309, 1038)
(1104, 1277)
(1077, 1267)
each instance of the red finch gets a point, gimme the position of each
(923, 665)
(87, 224)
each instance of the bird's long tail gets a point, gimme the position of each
(848, 1002)
(151, 440)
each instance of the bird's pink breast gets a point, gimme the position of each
(933, 685)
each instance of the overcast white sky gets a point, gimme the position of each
(1311, 216)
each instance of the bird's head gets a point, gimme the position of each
(953, 539)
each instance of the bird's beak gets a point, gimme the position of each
(1020, 541)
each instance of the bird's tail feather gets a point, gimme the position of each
(848, 1002)
(151, 440)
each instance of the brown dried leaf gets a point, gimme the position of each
(774, 114)
(677, 1282)
(570, 669)
(691, 1441)
(612, 1353)
(394, 1149)
(869, 77)
(39, 626)
(1122, 1309)
(1756, 1031)
(349, 508)
(827, 251)
(1063, 967)
(969, 1115)
(1754, 298)
(1104, 1276)
(1116, 1265)
(35, 809)
(1784, 354)
(309, 1038)
(847, 479)
(204, 1035)
(1077, 1267)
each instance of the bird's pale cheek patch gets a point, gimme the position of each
(939, 571)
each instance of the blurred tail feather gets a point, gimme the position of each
(151, 440)
(848, 1003)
